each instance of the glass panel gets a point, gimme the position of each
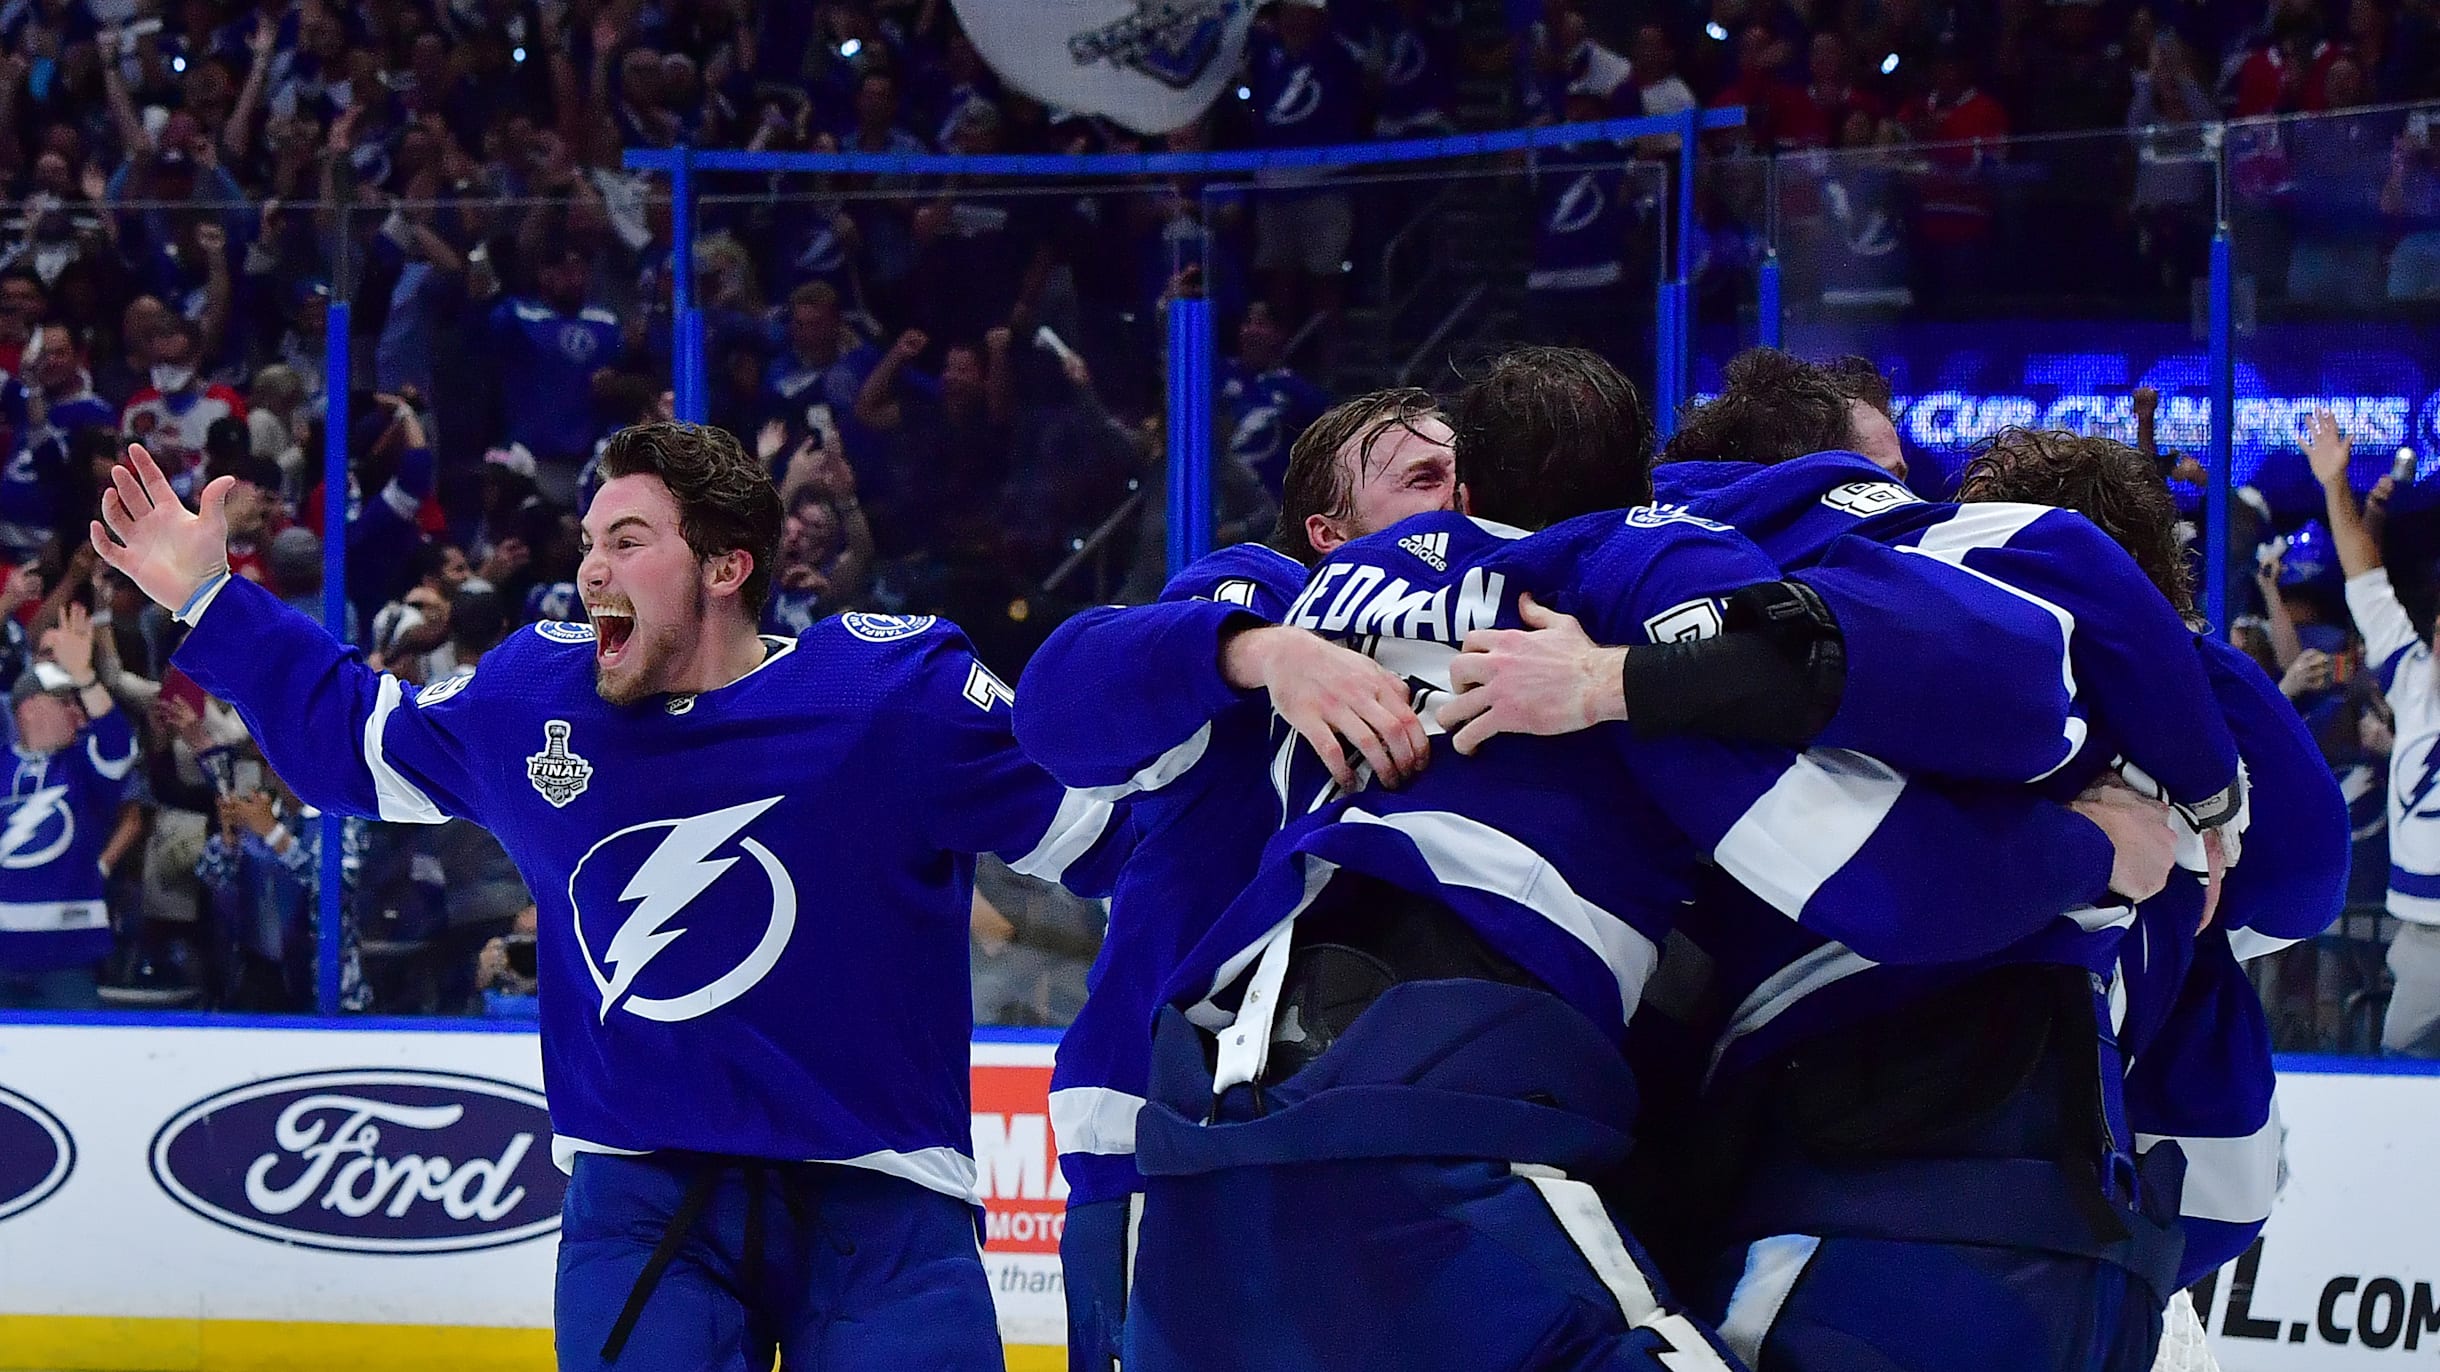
(2335, 223)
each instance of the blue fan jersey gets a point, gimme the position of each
(1573, 856)
(754, 900)
(547, 361)
(59, 813)
(1265, 413)
(1129, 702)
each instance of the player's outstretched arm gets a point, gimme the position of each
(345, 736)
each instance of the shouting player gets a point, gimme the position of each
(1101, 707)
(753, 859)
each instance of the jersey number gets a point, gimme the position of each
(984, 689)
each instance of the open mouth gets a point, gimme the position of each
(611, 630)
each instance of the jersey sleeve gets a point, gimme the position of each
(1848, 846)
(2289, 883)
(2383, 622)
(1902, 870)
(1120, 699)
(977, 792)
(348, 739)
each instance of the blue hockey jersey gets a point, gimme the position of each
(60, 810)
(754, 900)
(1128, 702)
(1573, 856)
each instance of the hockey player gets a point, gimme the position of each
(2193, 1032)
(74, 753)
(1415, 1012)
(1166, 703)
(755, 1017)
(1815, 1016)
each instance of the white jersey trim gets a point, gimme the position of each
(112, 769)
(400, 801)
(1772, 1267)
(1991, 524)
(1468, 853)
(1161, 771)
(1077, 826)
(2232, 1181)
(52, 916)
(1812, 821)
(1094, 1119)
(1832, 962)
(945, 1170)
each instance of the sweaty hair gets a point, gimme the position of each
(2109, 483)
(1317, 483)
(1548, 434)
(726, 502)
(1774, 407)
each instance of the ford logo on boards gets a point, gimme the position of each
(367, 1161)
(36, 1154)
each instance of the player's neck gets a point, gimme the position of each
(730, 648)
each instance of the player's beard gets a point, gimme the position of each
(651, 650)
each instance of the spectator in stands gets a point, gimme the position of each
(261, 869)
(1305, 92)
(256, 511)
(1263, 401)
(2176, 169)
(949, 441)
(2340, 164)
(548, 346)
(274, 422)
(2065, 73)
(1777, 113)
(1832, 97)
(2285, 74)
(1418, 73)
(811, 386)
(69, 823)
(2401, 652)
(417, 622)
(2410, 199)
(173, 415)
(1575, 291)
(505, 971)
(1954, 213)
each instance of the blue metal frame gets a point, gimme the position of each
(1190, 431)
(337, 367)
(1768, 321)
(387, 1024)
(2223, 433)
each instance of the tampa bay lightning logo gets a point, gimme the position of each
(678, 917)
(885, 628)
(39, 828)
(1579, 205)
(1172, 41)
(2414, 768)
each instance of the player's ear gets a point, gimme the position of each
(1465, 500)
(1323, 533)
(727, 573)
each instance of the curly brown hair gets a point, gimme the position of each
(1546, 434)
(726, 501)
(1317, 483)
(2109, 483)
(1774, 407)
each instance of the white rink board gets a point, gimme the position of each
(2354, 1241)
(225, 1219)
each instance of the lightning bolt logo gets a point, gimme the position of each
(681, 869)
(27, 820)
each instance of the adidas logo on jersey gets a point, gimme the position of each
(1433, 548)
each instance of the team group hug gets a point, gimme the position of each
(1572, 905)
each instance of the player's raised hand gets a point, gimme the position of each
(147, 533)
(2145, 846)
(1547, 678)
(1332, 697)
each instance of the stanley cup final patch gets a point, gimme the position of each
(557, 772)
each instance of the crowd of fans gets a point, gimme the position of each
(955, 380)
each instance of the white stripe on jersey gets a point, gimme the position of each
(1094, 1119)
(2231, 1180)
(1808, 825)
(1469, 853)
(1077, 826)
(1990, 524)
(1829, 963)
(1159, 772)
(400, 801)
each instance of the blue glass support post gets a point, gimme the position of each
(686, 349)
(338, 368)
(2223, 434)
(1681, 351)
(1190, 431)
(1766, 300)
(1664, 344)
